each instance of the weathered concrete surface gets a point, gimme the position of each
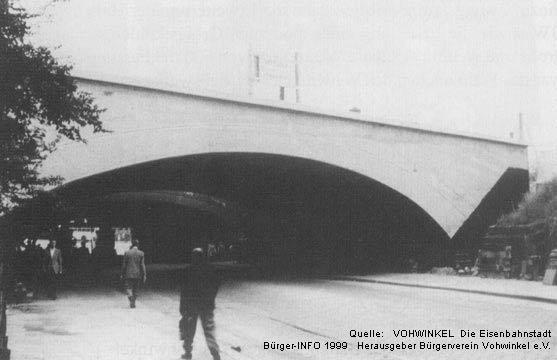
(447, 175)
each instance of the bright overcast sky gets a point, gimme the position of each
(463, 65)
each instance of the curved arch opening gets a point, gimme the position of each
(285, 213)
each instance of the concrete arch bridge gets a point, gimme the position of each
(330, 186)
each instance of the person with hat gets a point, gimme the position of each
(198, 291)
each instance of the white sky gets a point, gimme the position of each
(462, 65)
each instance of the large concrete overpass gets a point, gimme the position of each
(447, 175)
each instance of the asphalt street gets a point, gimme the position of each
(98, 324)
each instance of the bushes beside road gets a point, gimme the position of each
(539, 205)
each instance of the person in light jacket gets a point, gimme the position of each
(53, 269)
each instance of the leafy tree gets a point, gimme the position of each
(539, 205)
(39, 103)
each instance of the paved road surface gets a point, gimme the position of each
(97, 324)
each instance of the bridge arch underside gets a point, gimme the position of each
(295, 213)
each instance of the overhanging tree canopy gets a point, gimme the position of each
(39, 103)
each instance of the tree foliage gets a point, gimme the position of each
(540, 205)
(38, 98)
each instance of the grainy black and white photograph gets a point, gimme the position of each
(264, 179)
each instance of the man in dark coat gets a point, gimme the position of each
(199, 288)
(31, 267)
(41, 268)
(133, 271)
(82, 260)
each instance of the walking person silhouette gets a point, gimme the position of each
(199, 288)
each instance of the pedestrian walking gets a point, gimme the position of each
(199, 288)
(54, 269)
(133, 271)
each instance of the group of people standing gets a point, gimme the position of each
(80, 263)
(198, 290)
(39, 268)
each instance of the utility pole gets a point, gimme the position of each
(520, 127)
(296, 77)
(4, 351)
